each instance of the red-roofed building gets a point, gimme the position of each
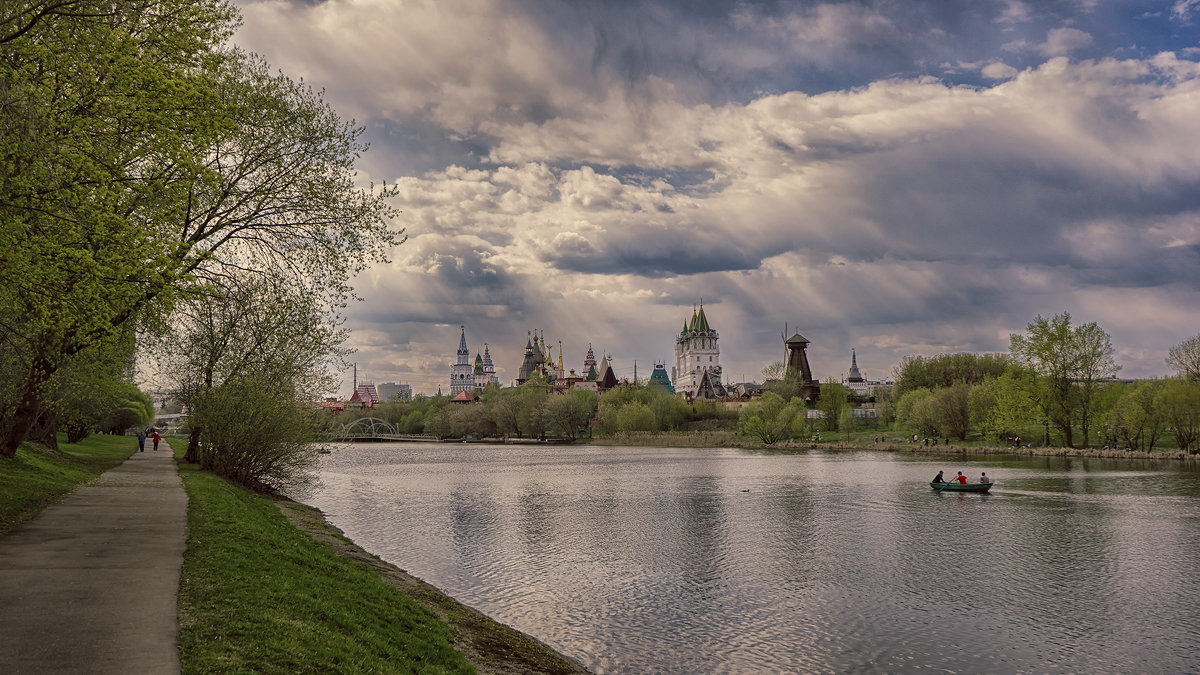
(367, 393)
(363, 397)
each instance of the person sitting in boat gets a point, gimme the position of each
(983, 478)
(962, 480)
(938, 478)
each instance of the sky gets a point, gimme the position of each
(894, 178)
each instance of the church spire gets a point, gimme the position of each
(855, 375)
(701, 320)
(464, 354)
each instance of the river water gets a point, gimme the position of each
(668, 560)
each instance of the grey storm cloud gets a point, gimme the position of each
(657, 255)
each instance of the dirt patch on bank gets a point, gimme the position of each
(490, 646)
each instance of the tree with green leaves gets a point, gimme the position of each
(128, 407)
(999, 406)
(142, 156)
(943, 370)
(1178, 401)
(254, 329)
(1070, 364)
(101, 401)
(635, 416)
(914, 411)
(670, 410)
(470, 420)
(439, 422)
(981, 404)
(80, 396)
(504, 407)
(789, 385)
(90, 100)
(835, 398)
(769, 419)
(569, 414)
(1134, 422)
(257, 432)
(885, 405)
(950, 410)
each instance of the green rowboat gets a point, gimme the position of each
(958, 487)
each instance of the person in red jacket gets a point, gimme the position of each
(158, 438)
(962, 480)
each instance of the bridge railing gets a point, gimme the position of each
(368, 427)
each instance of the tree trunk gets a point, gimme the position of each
(14, 428)
(192, 456)
(1084, 427)
(45, 430)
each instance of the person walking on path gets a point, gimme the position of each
(157, 438)
(141, 441)
(90, 584)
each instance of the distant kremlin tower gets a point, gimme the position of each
(538, 361)
(467, 377)
(697, 371)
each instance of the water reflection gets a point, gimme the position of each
(681, 560)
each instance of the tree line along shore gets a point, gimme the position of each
(967, 400)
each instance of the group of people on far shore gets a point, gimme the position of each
(926, 441)
(962, 480)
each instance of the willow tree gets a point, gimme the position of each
(141, 157)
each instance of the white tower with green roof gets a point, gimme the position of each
(697, 357)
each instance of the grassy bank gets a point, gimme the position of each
(259, 595)
(677, 439)
(37, 477)
(268, 586)
(869, 441)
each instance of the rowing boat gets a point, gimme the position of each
(959, 487)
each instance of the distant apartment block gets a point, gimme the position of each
(392, 391)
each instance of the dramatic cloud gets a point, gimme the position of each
(595, 172)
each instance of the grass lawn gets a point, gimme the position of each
(1032, 434)
(258, 595)
(36, 477)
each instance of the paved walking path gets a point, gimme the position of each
(90, 584)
